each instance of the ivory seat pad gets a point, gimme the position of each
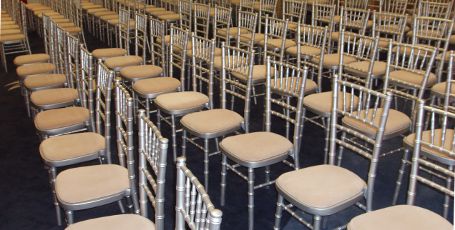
(9, 27)
(116, 222)
(305, 50)
(397, 123)
(333, 60)
(54, 96)
(212, 122)
(232, 31)
(275, 43)
(36, 68)
(321, 187)
(169, 17)
(181, 101)
(141, 72)
(43, 81)
(246, 37)
(152, 87)
(91, 183)
(440, 88)
(426, 138)
(414, 78)
(256, 149)
(61, 118)
(31, 58)
(360, 68)
(71, 146)
(117, 63)
(216, 52)
(10, 31)
(321, 103)
(452, 39)
(12, 37)
(259, 74)
(400, 217)
(104, 53)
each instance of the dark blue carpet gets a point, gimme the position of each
(26, 202)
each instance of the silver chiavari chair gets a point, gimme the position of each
(178, 104)
(222, 25)
(445, 88)
(193, 205)
(275, 40)
(311, 41)
(149, 89)
(267, 8)
(106, 183)
(356, 4)
(265, 148)
(389, 26)
(186, 14)
(324, 15)
(393, 6)
(201, 19)
(432, 150)
(295, 11)
(308, 189)
(157, 44)
(246, 29)
(353, 20)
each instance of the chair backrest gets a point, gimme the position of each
(246, 28)
(186, 14)
(287, 80)
(152, 169)
(434, 148)
(177, 52)
(222, 20)
(201, 19)
(267, 8)
(61, 61)
(358, 46)
(354, 19)
(203, 54)
(294, 11)
(141, 36)
(157, 43)
(86, 82)
(368, 110)
(435, 9)
(323, 15)
(248, 5)
(449, 94)
(73, 61)
(357, 4)
(275, 29)
(104, 84)
(432, 31)
(193, 204)
(393, 6)
(389, 25)
(125, 143)
(124, 28)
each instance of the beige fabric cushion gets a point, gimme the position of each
(333, 60)
(180, 101)
(397, 123)
(160, 12)
(360, 68)
(211, 122)
(116, 222)
(31, 58)
(117, 63)
(54, 96)
(169, 17)
(90, 183)
(154, 9)
(9, 27)
(400, 217)
(60, 118)
(259, 74)
(108, 52)
(36, 68)
(216, 52)
(217, 62)
(10, 31)
(71, 146)
(426, 138)
(140, 72)
(305, 50)
(152, 87)
(256, 148)
(97, 9)
(72, 29)
(414, 78)
(42, 81)
(440, 88)
(321, 103)
(101, 13)
(276, 43)
(322, 186)
(109, 17)
(246, 37)
(293, 85)
(383, 43)
(12, 37)
(232, 31)
(452, 40)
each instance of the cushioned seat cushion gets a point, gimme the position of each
(140, 72)
(62, 150)
(452, 40)
(400, 217)
(90, 183)
(333, 60)
(72, 29)
(434, 152)
(321, 188)
(12, 37)
(36, 68)
(10, 31)
(246, 37)
(293, 85)
(397, 123)
(305, 50)
(117, 63)
(216, 52)
(116, 222)
(101, 13)
(108, 52)
(440, 88)
(413, 78)
(217, 62)
(61, 118)
(181, 102)
(360, 68)
(232, 31)
(54, 97)
(9, 27)
(259, 74)
(276, 43)
(109, 17)
(31, 58)
(256, 149)
(44, 81)
(321, 103)
(212, 123)
(169, 17)
(157, 13)
(152, 87)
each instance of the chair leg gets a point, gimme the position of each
(340, 153)
(121, 206)
(316, 222)
(58, 211)
(2, 51)
(223, 179)
(69, 217)
(449, 184)
(326, 144)
(206, 164)
(174, 137)
(250, 199)
(400, 176)
(27, 101)
(184, 143)
(279, 212)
